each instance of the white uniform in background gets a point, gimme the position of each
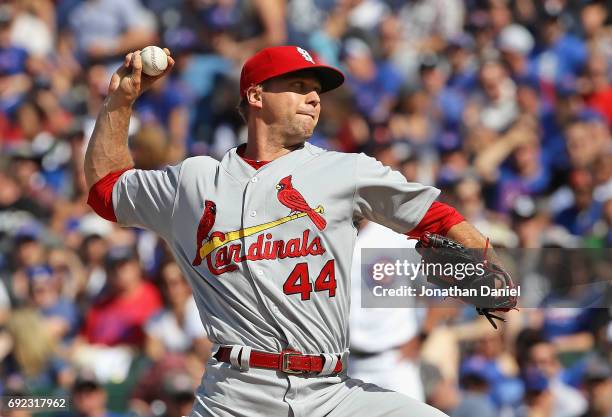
(376, 333)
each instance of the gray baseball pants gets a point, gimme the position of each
(229, 392)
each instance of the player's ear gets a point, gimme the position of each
(253, 95)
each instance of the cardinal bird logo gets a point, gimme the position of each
(291, 198)
(206, 224)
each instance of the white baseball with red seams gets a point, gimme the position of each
(154, 60)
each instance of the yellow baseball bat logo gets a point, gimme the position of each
(216, 242)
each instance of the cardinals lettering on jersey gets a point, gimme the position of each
(224, 250)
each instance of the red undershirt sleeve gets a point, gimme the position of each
(100, 197)
(439, 219)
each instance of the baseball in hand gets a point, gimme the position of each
(154, 60)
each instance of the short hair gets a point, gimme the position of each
(243, 105)
(243, 109)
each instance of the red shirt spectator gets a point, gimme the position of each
(119, 317)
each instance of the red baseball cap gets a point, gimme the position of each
(279, 60)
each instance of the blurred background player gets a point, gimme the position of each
(385, 342)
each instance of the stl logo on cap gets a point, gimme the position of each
(305, 54)
(275, 61)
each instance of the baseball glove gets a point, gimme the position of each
(441, 258)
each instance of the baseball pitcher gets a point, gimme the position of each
(265, 237)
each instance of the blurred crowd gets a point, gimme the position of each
(506, 105)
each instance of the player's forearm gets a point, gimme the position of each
(467, 235)
(470, 237)
(108, 150)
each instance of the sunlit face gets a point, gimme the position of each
(290, 106)
(126, 275)
(491, 78)
(176, 287)
(44, 293)
(543, 357)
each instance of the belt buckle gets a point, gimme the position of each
(285, 363)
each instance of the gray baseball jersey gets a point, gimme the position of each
(268, 252)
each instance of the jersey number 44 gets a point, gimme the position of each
(298, 281)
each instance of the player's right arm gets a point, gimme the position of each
(107, 150)
(118, 193)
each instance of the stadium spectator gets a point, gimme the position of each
(413, 122)
(463, 63)
(34, 365)
(582, 215)
(515, 44)
(375, 84)
(446, 104)
(103, 31)
(167, 388)
(582, 148)
(562, 55)
(251, 26)
(470, 202)
(425, 27)
(598, 386)
(150, 147)
(539, 400)
(69, 271)
(597, 32)
(566, 401)
(93, 253)
(165, 105)
(89, 398)
(176, 328)
(496, 99)
(178, 394)
(596, 85)
(126, 288)
(33, 29)
(14, 80)
(527, 174)
(29, 252)
(474, 380)
(60, 314)
(528, 223)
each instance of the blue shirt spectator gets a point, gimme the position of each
(375, 84)
(61, 314)
(561, 55)
(13, 60)
(566, 57)
(106, 29)
(502, 390)
(513, 183)
(580, 218)
(158, 103)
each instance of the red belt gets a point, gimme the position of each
(288, 361)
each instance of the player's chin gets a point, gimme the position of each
(297, 138)
(305, 129)
(307, 134)
(309, 125)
